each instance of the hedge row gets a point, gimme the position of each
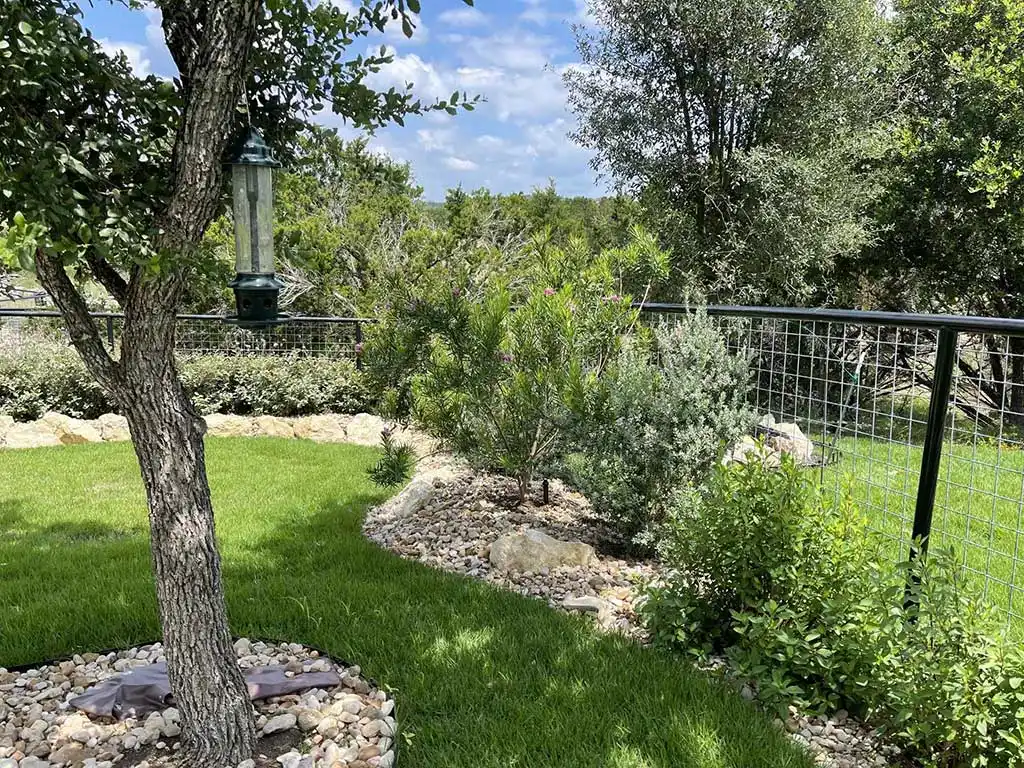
(54, 379)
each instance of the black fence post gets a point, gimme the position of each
(942, 383)
(359, 348)
(110, 332)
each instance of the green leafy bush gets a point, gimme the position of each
(665, 413)
(804, 601)
(275, 386)
(52, 378)
(34, 380)
(395, 467)
(498, 369)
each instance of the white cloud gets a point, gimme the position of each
(460, 164)
(536, 13)
(393, 31)
(464, 17)
(511, 50)
(135, 53)
(436, 139)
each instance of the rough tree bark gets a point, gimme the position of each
(210, 43)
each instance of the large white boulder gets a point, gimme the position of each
(365, 429)
(228, 425)
(793, 441)
(322, 428)
(113, 428)
(72, 431)
(532, 550)
(273, 426)
(32, 434)
(747, 450)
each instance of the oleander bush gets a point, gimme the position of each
(53, 378)
(499, 368)
(805, 602)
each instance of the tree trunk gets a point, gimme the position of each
(1016, 381)
(208, 687)
(218, 727)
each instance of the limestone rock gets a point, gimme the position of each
(585, 604)
(113, 428)
(322, 428)
(228, 425)
(413, 497)
(280, 723)
(365, 429)
(789, 438)
(273, 426)
(532, 550)
(72, 431)
(748, 449)
(33, 434)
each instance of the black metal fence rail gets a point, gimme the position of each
(920, 417)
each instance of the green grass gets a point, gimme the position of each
(978, 507)
(484, 678)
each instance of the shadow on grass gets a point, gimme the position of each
(485, 677)
(71, 586)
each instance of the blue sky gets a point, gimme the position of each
(511, 52)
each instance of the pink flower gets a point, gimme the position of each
(506, 357)
(359, 348)
(456, 291)
(614, 298)
(549, 291)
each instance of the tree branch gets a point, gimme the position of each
(107, 276)
(81, 328)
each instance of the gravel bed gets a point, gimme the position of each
(349, 726)
(449, 517)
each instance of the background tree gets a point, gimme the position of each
(739, 125)
(119, 176)
(338, 208)
(952, 215)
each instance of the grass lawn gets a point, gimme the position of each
(484, 678)
(978, 506)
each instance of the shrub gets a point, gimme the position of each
(665, 413)
(395, 467)
(275, 386)
(34, 380)
(497, 370)
(804, 601)
(53, 378)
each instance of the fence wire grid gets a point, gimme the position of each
(858, 384)
(331, 338)
(861, 393)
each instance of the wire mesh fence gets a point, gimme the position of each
(332, 338)
(919, 417)
(860, 387)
